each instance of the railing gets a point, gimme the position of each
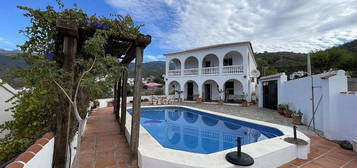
(210, 70)
(233, 69)
(176, 72)
(192, 71)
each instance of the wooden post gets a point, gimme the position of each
(115, 96)
(135, 123)
(68, 31)
(123, 101)
(118, 100)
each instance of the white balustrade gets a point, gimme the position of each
(176, 72)
(210, 70)
(192, 71)
(233, 69)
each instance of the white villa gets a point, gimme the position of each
(6, 92)
(203, 72)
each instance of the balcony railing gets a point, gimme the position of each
(192, 71)
(210, 70)
(176, 72)
(233, 69)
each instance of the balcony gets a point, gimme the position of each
(210, 70)
(206, 71)
(190, 72)
(233, 69)
(176, 72)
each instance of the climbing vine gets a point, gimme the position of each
(34, 108)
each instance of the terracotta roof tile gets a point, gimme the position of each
(48, 136)
(208, 47)
(271, 76)
(34, 148)
(15, 165)
(25, 157)
(327, 76)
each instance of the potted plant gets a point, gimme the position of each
(281, 108)
(288, 113)
(243, 97)
(297, 116)
(198, 99)
(179, 92)
(220, 91)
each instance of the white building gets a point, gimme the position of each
(203, 72)
(6, 92)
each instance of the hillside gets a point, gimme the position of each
(8, 65)
(273, 62)
(155, 68)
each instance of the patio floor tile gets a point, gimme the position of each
(103, 147)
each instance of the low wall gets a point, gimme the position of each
(344, 121)
(39, 155)
(336, 108)
(104, 102)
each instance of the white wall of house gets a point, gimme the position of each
(241, 54)
(6, 92)
(336, 112)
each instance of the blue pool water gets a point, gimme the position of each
(199, 132)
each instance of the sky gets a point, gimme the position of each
(271, 25)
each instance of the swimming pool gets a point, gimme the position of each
(194, 131)
(196, 138)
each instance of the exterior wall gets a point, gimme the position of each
(39, 155)
(6, 92)
(248, 63)
(336, 112)
(344, 121)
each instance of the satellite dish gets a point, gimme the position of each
(255, 73)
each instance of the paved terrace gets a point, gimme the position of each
(104, 147)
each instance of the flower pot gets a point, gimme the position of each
(199, 100)
(281, 112)
(220, 102)
(245, 104)
(288, 113)
(297, 120)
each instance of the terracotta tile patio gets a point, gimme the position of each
(104, 147)
(325, 154)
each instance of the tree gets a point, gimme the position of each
(334, 58)
(96, 68)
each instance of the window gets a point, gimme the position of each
(227, 62)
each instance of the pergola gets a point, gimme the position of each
(124, 47)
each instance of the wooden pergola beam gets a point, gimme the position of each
(142, 41)
(135, 121)
(140, 45)
(118, 95)
(69, 32)
(123, 101)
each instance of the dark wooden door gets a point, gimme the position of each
(270, 94)
(208, 91)
(189, 91)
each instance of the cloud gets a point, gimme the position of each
(7, 45)
(271, 25)
(148, 58)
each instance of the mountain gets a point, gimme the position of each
(155, 68)
(274, 62)
(8, 53)
(8, 65)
